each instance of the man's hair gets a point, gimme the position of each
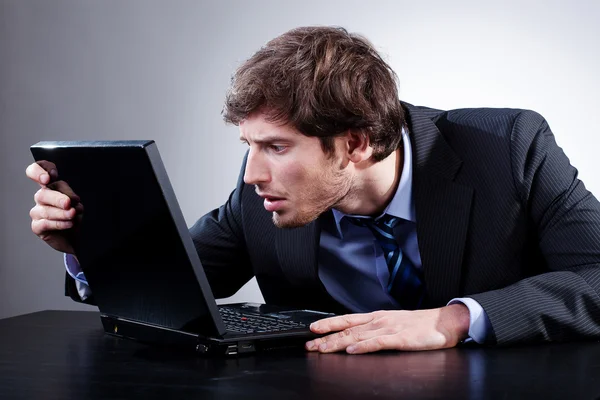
(323, 81)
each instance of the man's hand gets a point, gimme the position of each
(57, 208)
(438, 328)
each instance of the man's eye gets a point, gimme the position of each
(277, 149)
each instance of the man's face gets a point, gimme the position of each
(297, 180)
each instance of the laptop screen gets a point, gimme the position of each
(132, 241)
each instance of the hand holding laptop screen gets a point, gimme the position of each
(57, 207)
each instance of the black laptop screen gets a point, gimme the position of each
(130, 241)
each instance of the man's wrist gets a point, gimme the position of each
(480, 329)
(459, 320)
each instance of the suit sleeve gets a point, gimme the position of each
(563, 303)
(219, 240)
(71, 291)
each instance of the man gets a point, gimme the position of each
(432, 227)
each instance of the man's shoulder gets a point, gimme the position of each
(479, 115)
(465, 124)
(508, 115)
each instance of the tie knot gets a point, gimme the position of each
(385, 223)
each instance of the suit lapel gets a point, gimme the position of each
(442, 208)
(297, 251)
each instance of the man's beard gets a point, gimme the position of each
(333, 192)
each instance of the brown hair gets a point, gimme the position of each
(323, 81)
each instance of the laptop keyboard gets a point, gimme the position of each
(237, 321)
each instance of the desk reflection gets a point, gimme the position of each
(97, 366)
(440, 374)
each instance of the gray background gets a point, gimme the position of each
(90, 70)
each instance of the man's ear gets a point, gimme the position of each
(358, 146)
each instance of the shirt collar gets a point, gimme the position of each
(401, 205)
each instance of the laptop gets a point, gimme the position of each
(140, 261)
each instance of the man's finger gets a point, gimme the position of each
(385, 342)
(42, 172)
(78, 208)
(37, 174)
(63, 187)
(52, 198)
(340, 323)
(50, 167)
(341, 340)
(52, 213)
(42, 226)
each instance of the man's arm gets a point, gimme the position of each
(558, 305)
(564, 303)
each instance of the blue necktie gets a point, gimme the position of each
(406, 283)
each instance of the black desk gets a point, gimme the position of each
(65, 355)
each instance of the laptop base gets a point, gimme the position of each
(229, 344)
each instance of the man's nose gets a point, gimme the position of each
(256, 170)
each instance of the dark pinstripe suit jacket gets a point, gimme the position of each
(501, 218)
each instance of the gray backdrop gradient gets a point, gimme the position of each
(92, 70)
